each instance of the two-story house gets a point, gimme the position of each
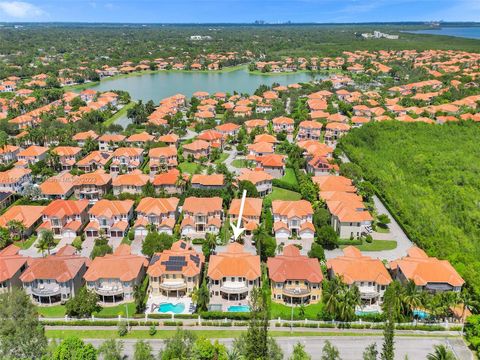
(59, 186)
(30, 216)
(170, 182)
(94, 161)
(109, 142)
(293, 222)
(140, 140)
(68, 156)
(82, 137)
(274, 164)
(175, 272)
(113, 277)
(32, 154)
(56, 278)
(201, 216)
(428, 273)
(309, 130)
(92, 186)
(15, 180)
(368, 274)
(294, 279)
(231, 277)
(9, 153)
(162, 159)
(65, 218)
(109, 217)
(131, 183)
(12, 265)
(261, 179)
(197, 149)
(126, 159)
(208, 182)
(252, 210)
(283, 124)
(159, 212)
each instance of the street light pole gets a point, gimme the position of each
(128, 323)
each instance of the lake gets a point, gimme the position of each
(159, 85)
(464, 32)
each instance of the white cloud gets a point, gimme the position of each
(20, 10)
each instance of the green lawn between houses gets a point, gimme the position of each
(285, 312)
(290, 177)
(222, 158)
(240, 163)
(283, 194)
(58, 311)
(188, 167)
(375, 245)
(119, 114)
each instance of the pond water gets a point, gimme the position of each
(464, 32)
(159, 85)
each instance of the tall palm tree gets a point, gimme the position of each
(411, 297)
(441, 353)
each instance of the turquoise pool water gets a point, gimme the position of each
(363, 313)
(169, 307)
(420, 314)
(239, 308)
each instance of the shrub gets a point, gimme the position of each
(122, 329)
(153, 330)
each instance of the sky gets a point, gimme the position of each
(238, 11)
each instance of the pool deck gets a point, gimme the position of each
(157, 300)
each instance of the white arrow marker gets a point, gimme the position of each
(237, 230)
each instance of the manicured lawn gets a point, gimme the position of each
(376, 245)
(222, 158)
(285, 312)
(290, 177)
(240, 163)
(382, 230)
(25, 244)
(119, 114)
(188, 167)
(57, 311)
(114, 311)
(282, 194)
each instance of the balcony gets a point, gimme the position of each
(231, 287)
(173, 285)
(46, 290)
(368, 292)
(109, 290)
(296, 291)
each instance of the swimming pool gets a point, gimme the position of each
(365, 313)
(420, 314)
(169, 307)
(238, 308)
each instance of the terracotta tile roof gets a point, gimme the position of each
(254, 176)
(110, 208)
(111, 138)
(157, 206)
(142, 137)
(60, 208)
(210, 135)
(271, 160)
(192, 265)
(283, 120)
(208, 180)
(234, 262)
(310, 125)
(100, 157)
(97, 178)
(10, 262)
(169, 138)
(348, 266)
(62, 266)
(13, 175)
(227, 127)
(135, 178)
(256, 123)
(198, 205)
(423, 270)
(168, 178)
(67, 150)
(197, 145)
(296, 208)
(128, 151)
(334, 183)
(120, 265)
(293, 266)
(265, 138)
(252, 207)
(28, 215)
(33, 150)
(167, 151)
(261, 147)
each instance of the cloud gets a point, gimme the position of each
(20, 10)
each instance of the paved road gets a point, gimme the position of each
(189, 135)
(350, 347)
(232, 155)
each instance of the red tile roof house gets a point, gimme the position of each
(321, 165)
(252, 211)
(213, 137)
(93, 161)
(334, 131)
(65, 218)
(175, 272)
(260, 149)
(30, 216)
(60, 186)
(82, 137)
(294, 279)
(160, 212)
(168, 182)
(68, 155)
(208, 182)
(140, 140)
(369, 275)
(162, 159)
(8, 153)
(232, 275)
(283, 124)
(293, 222)
(113, 277)
(108, 142)
(255, 123)
(273, 164)
(12, 265)
(56, 278)
(309, 130)
(201, 216)
(131, 183)
(15, 180)
(197, 149)
(261, 179)
(126, 159)
(93, 186)
(110, 217)
(228, 129)
(32, 154)
(428, 273)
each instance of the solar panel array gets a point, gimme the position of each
(195, 259)
(155, 258)
(183, 245)
(174, 263)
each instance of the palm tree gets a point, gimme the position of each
(411, 297)
(441, 353)
(331, 291)
(16, 228)
(46, 241)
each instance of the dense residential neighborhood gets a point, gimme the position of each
(202, 206)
